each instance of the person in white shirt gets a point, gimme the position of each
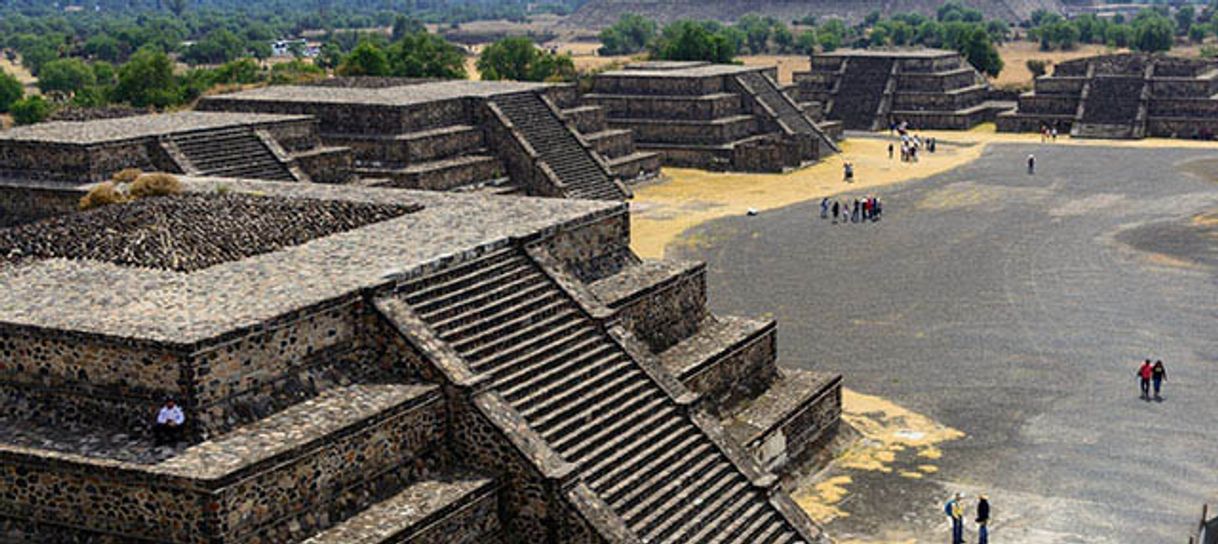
(169, 421)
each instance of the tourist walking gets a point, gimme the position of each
(848, 172)
(1158, 375)
(1144, 374)
(876, 208)
(854, 215)
(1031, 164)
(983, 519)
(955, 512)
(836, 210)
(1053, 133)
(890, 150)
(824, 207)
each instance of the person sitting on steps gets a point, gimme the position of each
(169, 422)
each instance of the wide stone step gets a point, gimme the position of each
(492, 316)
(608, 371)
(721, 511)
(638, 449)
(529, 328)
(577, 362)
(399, 421)
(420, 293)
(752, 516)
(562, 409)
(503, 291)
(509, 330)
(660, 524)
(524, 355)
(678, 476)
(604, 435)
(458, 508)
(569, 421)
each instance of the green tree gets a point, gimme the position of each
(1153, 33)
(519, 59)
(422, 54)
(104, 47)
(1198, 32)
(330, 56)
(980, 51)
(241, 71)
(11, 91)
(30, 110)
(147, 80)
(403, 25)
(295, 72)
(630, 34)
(805, 43)
(365, 60)
(1118, 35)
(65, 76)
(1038, 67)
(1185, 17)
(218, 47)
(694, 41)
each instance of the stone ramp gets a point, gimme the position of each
(558, 147)
(859, 92)
(766, 91)
(635, 446)
(230, 153)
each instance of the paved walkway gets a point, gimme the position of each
(1012, 308)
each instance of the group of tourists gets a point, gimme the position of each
(867, 208)
(1048, 133)
(1152, 375)
(910, 146)
(955, 512)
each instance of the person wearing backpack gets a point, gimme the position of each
(955, 512)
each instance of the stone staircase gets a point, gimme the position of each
(231, 153)
(1111, 104)
(766, 91)
(635, 446)
(857, 99)
(558, 146)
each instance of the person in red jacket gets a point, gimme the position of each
(1144, 374)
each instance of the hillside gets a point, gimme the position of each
(600, 13)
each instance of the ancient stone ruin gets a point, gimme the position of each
(869, 89)
(270, 147)
(496, 137)
(368, 365)
(711, 116)
(1122, 96)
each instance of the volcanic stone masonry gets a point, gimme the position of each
(866, 89)
(1122, 96)
(712, 116)
(484, 136)
(364, 365)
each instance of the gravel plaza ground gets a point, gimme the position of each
(989, 328)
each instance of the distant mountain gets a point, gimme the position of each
(601, 13)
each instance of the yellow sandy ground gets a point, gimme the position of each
(661, 212)
(17, 70)
(688, 198)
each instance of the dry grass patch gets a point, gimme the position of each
(102, 194)
(158, 184)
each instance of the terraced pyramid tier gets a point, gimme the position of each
(634, 446)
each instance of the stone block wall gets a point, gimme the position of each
(666, 313)
(697, 133)
(1181, 88)
(60, 379)
(595, 249)
(932, 82)
(1059, 85)
(72, 163)
(644, 85)
(741, 372)
(237, 380)
(326, 165)
(21, 204)
(271, 499)
(700, 108)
